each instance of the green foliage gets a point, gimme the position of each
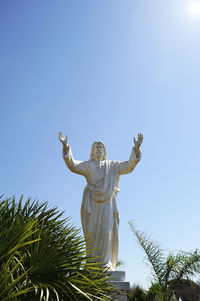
(137, 294)
(174, 267)
(42, 256)
(186, 289)
(120, 264)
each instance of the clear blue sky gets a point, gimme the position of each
(105, 70)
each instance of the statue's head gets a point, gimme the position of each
(98, 151)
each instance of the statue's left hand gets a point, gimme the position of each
(62, 140)
(137, 144)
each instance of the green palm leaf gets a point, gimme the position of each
(43, 256)
(166, 271)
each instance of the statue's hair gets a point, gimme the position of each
(92, 150)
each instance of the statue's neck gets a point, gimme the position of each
(98, 159)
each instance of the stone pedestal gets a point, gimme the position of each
(118, 281)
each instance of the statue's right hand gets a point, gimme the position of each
(62, 140)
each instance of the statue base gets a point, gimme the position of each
(118, 281)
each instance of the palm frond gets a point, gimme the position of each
(188, 264)
(153, 251)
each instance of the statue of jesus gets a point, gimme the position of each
(99, 213)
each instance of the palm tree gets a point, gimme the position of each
(43, 257)
(167, 270)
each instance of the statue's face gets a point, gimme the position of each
(98, 151)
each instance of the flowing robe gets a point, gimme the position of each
(99, 213)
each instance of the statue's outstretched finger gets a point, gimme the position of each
(61, 136)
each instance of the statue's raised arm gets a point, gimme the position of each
(128, 166)
(79, 167)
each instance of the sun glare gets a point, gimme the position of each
(193, 9)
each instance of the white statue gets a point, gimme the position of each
(99, 213)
